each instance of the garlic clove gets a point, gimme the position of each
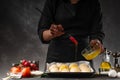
(112, 73)
(118, 74)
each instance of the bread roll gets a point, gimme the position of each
(65, 70)
(54, 70)
(73, 65)
(53, 66)
(74, 69)
(63, 66)
(84, 68)
(58, 64)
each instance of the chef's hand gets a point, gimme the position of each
(96, 44)
(56, 30)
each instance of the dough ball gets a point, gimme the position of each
(58, 64)
(84, 68)
(54, 70)
(53, 66)
(65, 70)
(73, 65)
(63, 66)
(74, 69)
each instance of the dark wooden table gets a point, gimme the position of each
(97, 77)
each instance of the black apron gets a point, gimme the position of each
(63, 50)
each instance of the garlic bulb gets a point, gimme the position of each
(112, 73)
(118, 74)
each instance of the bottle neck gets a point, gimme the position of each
(107, 56)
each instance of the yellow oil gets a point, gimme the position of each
(105, 65)
(91, 55)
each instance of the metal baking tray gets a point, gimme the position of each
(69, 74)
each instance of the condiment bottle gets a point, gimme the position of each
(105, 64)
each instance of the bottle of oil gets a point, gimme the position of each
(105, 64)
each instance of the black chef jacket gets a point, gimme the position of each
(81, 20)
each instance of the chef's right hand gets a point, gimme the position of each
(56, 30)
(96, 44)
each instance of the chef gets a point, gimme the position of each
(61, 19)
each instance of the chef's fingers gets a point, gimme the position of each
(57, 34)
(53, 26)
(60, 27)
(56, 30)
(102, 48)
(95, 44)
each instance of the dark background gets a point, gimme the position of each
(18, 31)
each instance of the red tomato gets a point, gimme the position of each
(36, 68)
(23, 61)
(32, 65)
(27, 64)
(26, 72)
(15, 69)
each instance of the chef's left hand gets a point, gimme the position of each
(56, 30)
(95, 43)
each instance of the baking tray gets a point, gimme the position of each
(69, 74)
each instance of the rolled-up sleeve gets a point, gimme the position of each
(46, 20)
(96, 31)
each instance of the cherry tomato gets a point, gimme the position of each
(32, 65)
(26, 64)
(23, 61)
(36, 68)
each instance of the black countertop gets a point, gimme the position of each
(97, 77)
